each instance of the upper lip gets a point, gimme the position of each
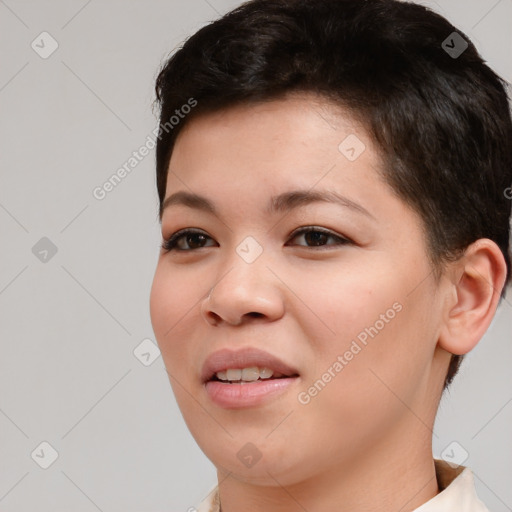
(243, 358)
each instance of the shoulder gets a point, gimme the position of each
(211, 502)
(456, 490)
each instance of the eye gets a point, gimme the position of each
(318, 237)
(195, 239)
(187, 240)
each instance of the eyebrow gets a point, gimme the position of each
(278, 204)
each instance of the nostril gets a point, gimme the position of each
(214, 317)
(254, 314)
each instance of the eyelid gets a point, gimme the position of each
(306, 229)
(342, 240)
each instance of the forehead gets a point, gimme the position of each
(298, 136)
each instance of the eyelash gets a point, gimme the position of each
(170, 243)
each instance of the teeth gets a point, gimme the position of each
(266, 373)
(250, 374)
(234, 374)
(246, 374)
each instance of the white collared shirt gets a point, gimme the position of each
(456, 492)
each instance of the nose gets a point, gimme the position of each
(246, 292)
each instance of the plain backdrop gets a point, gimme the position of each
(76, 271)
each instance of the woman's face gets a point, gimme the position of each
(352, 307)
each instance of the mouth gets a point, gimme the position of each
(245, 365)
(249, 374)
(247, 377)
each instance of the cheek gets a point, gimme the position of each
(170, 300)
(385, 360)
(168, 311)
(356, 406)
(382, 332)
(159, 301)
(340, 303)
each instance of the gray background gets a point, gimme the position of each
(69, 325)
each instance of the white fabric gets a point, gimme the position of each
(457, 492)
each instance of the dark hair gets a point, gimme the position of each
(441, 119)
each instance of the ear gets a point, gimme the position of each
(477, 280)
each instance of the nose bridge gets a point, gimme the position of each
(245, 285)
(247, 265)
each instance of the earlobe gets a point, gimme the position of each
(480, 277)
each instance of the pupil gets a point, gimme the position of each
(191, 237)
(315, 236)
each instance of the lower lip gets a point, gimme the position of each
(247, 394)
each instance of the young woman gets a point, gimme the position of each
(333, 181)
